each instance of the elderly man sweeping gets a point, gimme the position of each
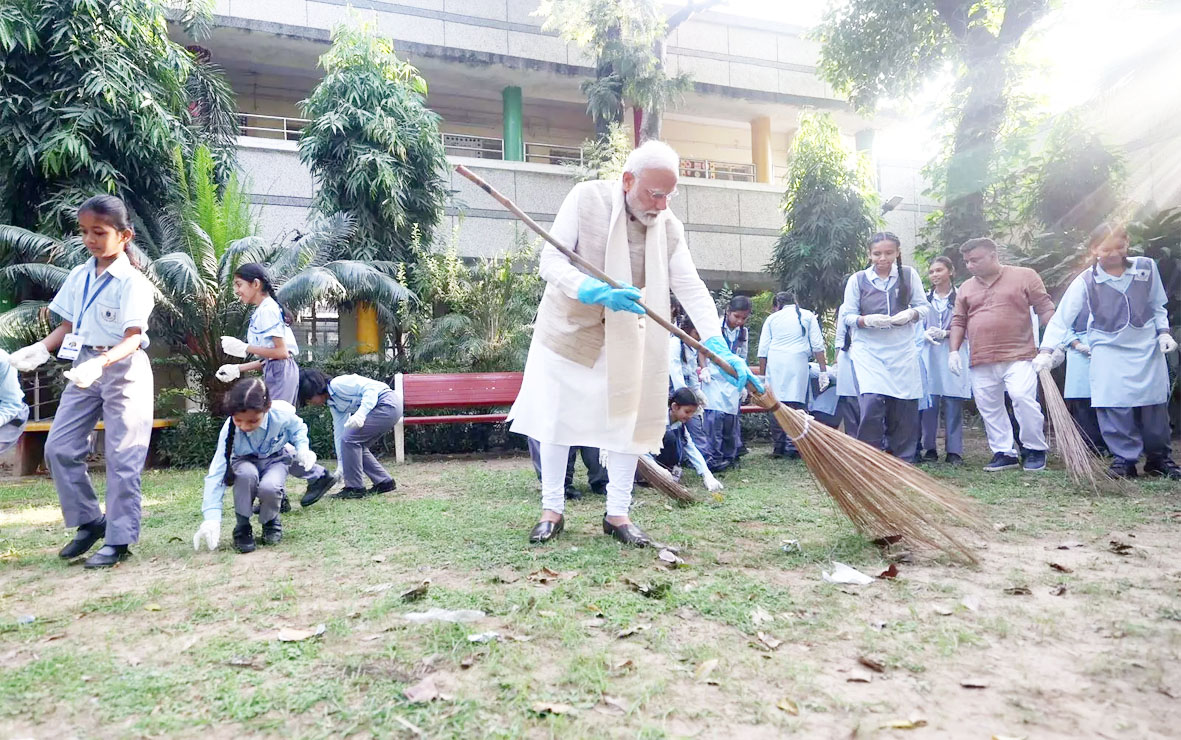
(597, 373)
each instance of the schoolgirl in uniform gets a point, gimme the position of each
(790, 339)
(362, 410)
(848, 409)
(13, 410)
(104, 304)
(722, 398)
(947, 392)
(881, 305)
(252, 456)
(678, 446)
(1128, 335)
(268, 336)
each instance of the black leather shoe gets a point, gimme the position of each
(387, 487)
(1165, 468)
(599, 489)
(272, 532)
(546, 531)
(107, 556)
(573, 494)
(84, 539)
(351, 493)
(954, 460)
(929, 456)
(317, 487)
(628, 534)
(244, 538)
(284, 505)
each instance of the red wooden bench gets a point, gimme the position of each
(452, 390)
(459, 390)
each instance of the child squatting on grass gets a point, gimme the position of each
(254, 453)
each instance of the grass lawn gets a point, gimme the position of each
(744, 641)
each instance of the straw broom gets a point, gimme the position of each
(882, 495)
(662, 481)
(1082, 465)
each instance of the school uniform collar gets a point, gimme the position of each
(120, 269)
(872, 273)
(1102, 276)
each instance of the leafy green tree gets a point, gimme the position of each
(374, 147)
(830, 211)
(872, 49)
(96, 97)
(475, 317)
(628, 39)
(208, 232)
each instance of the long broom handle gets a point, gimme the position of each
(595, 272)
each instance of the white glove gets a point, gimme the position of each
(905, 316)
(823, 381)
(877, 321)
(228, 373)
(233, 346)
(1081, 348)
(1048, 360)
(85, 374)
(1167, 343)
(356, 421)
(29, 358)
(305, 458)
(209, 532)
(712, 484)
(955, 363)
(935, 335)
(705, 374)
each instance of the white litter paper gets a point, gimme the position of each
(842, 573)
(444, 615)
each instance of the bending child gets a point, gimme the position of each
(362, 410)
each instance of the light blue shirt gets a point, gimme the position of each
(12, 396)
(885, 360)
(682, 374)
(788, 341)
(348, 394)
(1127, 368)
(102, 308)
(266, 323)
(280, 427)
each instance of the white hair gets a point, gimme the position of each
(652, 155)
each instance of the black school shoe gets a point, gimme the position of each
(929, 456)
(954, 460)
(108, 556)
(84, 539)
(1165, 468)
(243, 536)
(1121, 470)
(351, 493)
(387, 487)
(272, 532)
(317, 487)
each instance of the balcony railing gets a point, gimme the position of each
(271, 127)
(489, 147)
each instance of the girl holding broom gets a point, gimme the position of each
(678, 445)
(723, 399)
(1128, 335)
(881, 305)
(948, 392)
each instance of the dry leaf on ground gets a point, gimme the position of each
(1061, 568)
(615, 704)
(650, 590)
(424, 691)
(859, 676)
(544, 707)
(789, 706)
(974, 683)
(768, 641)
(1120, 548)
(546, 576)
(416, 593)
(706, 668)
(1018, 591)
(635, 629)
(1058, 590)
(872, 663)
(377, 589)
(890, 572)
(759, 615)
(905, 724)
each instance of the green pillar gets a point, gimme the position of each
(514, 142)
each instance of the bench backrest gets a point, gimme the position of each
(460, 389)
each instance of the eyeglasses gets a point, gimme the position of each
(657, 195)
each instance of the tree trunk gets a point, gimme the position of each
(975, 142)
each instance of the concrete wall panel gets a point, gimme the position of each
(746, 42)
(754, 77)
(476, 38)
(411, 28)
(495, 9)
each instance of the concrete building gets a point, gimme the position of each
(508, 93)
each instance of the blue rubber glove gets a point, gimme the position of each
(594, 291)
(717, 345)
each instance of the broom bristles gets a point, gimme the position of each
(882, 495)
(662, 480)
(1082, 465)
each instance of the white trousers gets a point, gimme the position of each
(989, 384)
(621, 474)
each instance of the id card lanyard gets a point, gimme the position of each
(72, 342)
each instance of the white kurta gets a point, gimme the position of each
(563, 402)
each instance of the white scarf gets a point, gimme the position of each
(637, 347)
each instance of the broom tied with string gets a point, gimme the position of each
(883, 496)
